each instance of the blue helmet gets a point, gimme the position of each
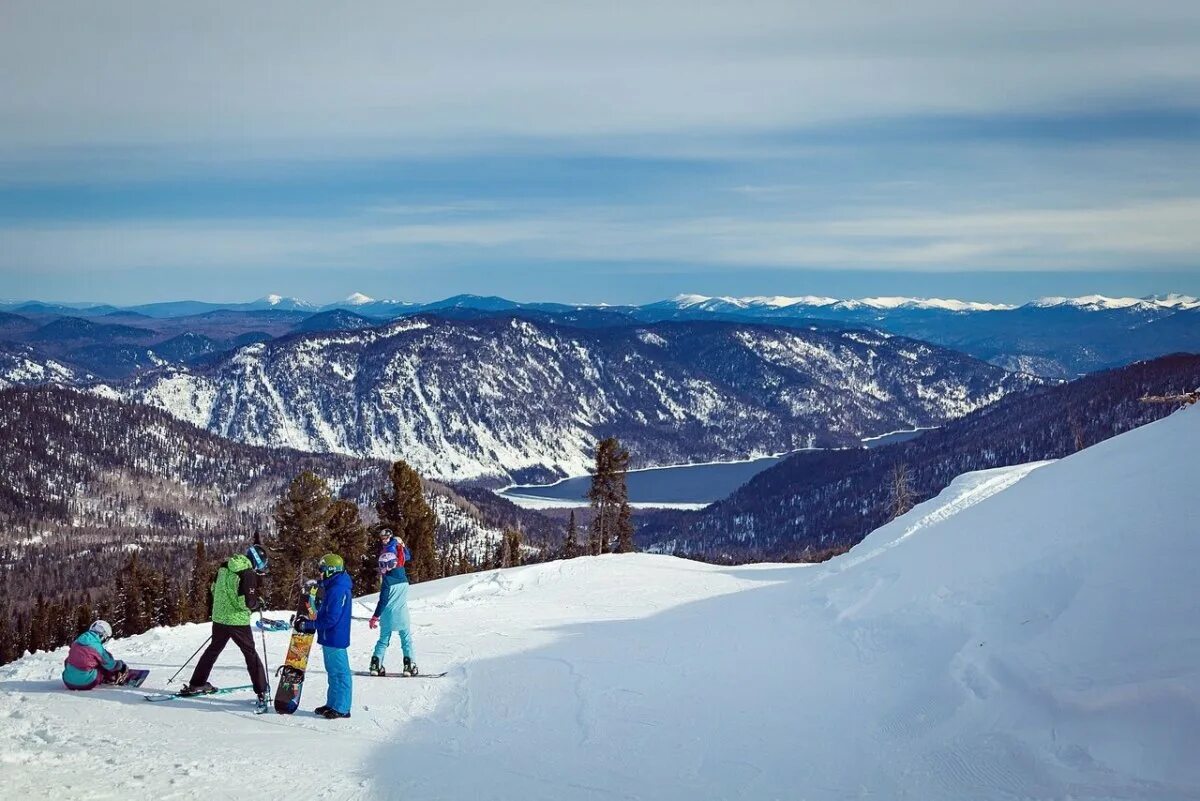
(258, 558)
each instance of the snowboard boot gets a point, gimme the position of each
(262, 703)
(198, 689)
(321, 710)
(410, 667)
(377, 668)
(333, 714)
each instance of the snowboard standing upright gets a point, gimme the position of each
(291, 672)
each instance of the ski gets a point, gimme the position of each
(400, 675)
(174, 696)
(267, 624)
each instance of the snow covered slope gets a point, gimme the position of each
(1029, 633)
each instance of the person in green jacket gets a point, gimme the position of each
(235, 594)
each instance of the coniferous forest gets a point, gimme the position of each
(120, 511)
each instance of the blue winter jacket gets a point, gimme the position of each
(333, 618)
(84, 661)
(397, 575)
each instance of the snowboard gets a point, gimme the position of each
(221, 691)
(291, 672)
(400, 675)
(132, 678)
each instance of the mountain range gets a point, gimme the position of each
(502, 398)
(1052, 337)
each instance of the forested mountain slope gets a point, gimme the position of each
(503, 398)
(819, 502)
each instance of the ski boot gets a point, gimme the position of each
(198, 689)
(333, 714)
(377, 668)
(410, 668)
(262, 704)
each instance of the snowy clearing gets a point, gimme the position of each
(1029, 633)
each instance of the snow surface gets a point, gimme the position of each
(1029, 633)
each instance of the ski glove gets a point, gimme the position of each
(374, 623)
(303, 625)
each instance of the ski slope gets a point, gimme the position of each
(1032, 632)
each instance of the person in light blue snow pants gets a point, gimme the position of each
(332, 626)
(391, 612)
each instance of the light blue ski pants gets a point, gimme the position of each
(337, 670)
(395, 618)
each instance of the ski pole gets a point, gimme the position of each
(266, 665)
(189, 659)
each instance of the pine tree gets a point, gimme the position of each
(348, 538)
(8, 637)
(610, 498)
(38, 626)
(196, 603)
(464, 563)
(624, 528)
(402, 508)
(131, 614)
(571, 542)
(62, 623)
(510, 548)
(301, 538)
(83, 615)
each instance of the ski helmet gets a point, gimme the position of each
(102, 630)
(258, 558)
(385, 533)
(331, 563)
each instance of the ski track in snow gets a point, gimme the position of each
(1029, 633)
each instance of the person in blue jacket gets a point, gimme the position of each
(391, 612)
(88, 663)
(332, 626)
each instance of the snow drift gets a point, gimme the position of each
(1030, 632)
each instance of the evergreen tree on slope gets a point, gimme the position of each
(402, 508)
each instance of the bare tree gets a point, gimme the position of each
(900, 495)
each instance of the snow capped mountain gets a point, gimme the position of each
(357, 299)
(280, 303)
(1174, 301)
(1028, 633)
(780, 302)
(1104, 303)
(502, 398)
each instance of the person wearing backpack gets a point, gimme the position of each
(391, 612)
(235, 594)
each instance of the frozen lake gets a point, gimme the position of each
(680, 485)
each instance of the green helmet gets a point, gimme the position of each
(331, 563)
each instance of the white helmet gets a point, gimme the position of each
(101, 629)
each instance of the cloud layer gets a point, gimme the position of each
(717, 136)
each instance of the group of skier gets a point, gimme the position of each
(236, 594)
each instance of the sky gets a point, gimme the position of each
(598, 152)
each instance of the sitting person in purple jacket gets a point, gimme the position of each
(88, 664)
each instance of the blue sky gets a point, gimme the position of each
(619, 153)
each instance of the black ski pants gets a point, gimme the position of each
(243, 637)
